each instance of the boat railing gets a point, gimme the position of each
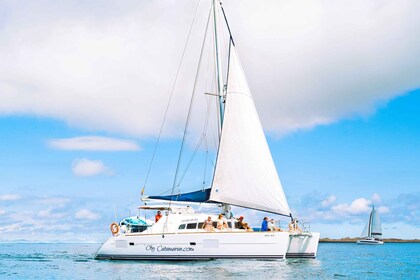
(306, 227)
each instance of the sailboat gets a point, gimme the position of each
(372, 232)
(244, 176)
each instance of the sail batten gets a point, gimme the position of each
(245, 174)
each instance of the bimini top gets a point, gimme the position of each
(195, 196)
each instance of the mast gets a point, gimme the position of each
(218, 62)
(370, 222)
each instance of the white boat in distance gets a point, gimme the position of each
(372, 232)
(244, 175)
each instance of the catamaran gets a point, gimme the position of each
(244, 175)
(372, 232)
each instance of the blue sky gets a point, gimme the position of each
(82, 95)
(350, 159)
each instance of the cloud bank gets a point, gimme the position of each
(93, 143)
(9, 197)
(110, 66)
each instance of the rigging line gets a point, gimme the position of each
(188, 118)
(170, 98)
(227, 23)
(228, 66)
(191, 159)
(190, 109)
(203, 136)
(205, 164)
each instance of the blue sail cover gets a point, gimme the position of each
(196, 196)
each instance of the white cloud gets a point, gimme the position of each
(358, 206)
(9, 197)
(307, 62)
(376, 198)
(85, 214)
(328, 201)
(93, 143)
(382, 209)
(2, 212)
(52, 213)
(86, 167)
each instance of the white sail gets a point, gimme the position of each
(376, 228)
(365, 231)
(245, 173)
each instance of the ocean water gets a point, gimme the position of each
(335, 261)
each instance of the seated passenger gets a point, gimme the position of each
(272, 227)
(220, 222)
(294, 227)
(226, 227)
(291, 226)
(208, 225)
(243, 225)
(264, 225)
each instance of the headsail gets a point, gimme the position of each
(245, 173)
(365, 231)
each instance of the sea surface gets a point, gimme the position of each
(335, 261)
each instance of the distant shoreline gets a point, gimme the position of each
(352, 240)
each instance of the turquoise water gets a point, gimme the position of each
(335, 261)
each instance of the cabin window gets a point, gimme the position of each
(192, 226)
(215, 224)
(229, 224)
(200, 225)
(181, 226)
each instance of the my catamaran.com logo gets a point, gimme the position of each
(162, 248)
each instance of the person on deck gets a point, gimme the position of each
(208, 225)
(158, 216)
(220, 222)
(243, 225)
(264, 225)
(226, 226)
(272, 226)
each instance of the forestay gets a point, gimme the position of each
(245, 173)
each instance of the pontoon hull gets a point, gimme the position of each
(303, 245)
(204, 246)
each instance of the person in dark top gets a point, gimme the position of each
(158, 216)
(243, 225)
(264, 225)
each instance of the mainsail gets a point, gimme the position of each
(245, 173)
(375, 228)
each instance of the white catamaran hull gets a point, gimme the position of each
(201, 246)
(369, 242)
(303, 245)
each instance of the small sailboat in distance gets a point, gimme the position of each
(372, 232)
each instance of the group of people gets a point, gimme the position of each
(222, 225)
(268, 225)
